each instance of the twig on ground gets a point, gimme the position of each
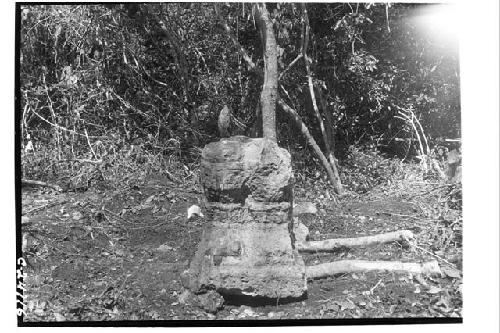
(120, 290)
(40, 183)
(432, 190)
(148, 226)
(375, 286)
(117, 216)
(79, 160)
(129, 222)
(400, 215)
(49, 205)
(433, 254)
(105, 291)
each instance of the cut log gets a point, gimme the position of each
(332, 244)
(350, 266)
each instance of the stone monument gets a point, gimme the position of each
(248, 245)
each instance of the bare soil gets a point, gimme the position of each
(116, 254)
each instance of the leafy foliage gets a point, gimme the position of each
(156, 75)
(367, 168)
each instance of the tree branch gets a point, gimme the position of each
(310, 140)
(229, 33)
(66, 129)
(337, 185)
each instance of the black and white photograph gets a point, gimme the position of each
(239, 164)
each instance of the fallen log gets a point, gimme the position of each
(49, 205)
(332, 244)
(351, 266)
(39, 183)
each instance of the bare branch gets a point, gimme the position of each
(299, 56)
(64, 128)
(337, 185)
(310, 140)
(233, 38)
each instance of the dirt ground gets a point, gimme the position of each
(117, 255)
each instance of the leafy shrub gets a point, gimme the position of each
(110, 163)
(366, 168)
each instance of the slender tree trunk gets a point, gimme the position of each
(180, 58)
(270, 85)
(337, 185)
(328, 118)
(330, 136)
(289, 111)
(310, 140)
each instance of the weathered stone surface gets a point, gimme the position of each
(300, 230)
(304, 208)
(233, 168)
(248, 248)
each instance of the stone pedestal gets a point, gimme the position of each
(248, 246)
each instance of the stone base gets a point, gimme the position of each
(248, 248)
(247, 260)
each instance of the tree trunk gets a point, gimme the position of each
(337, 185)
(291, 112)
(303, 128)
(270, 85)
(328, 118)
(330, 137)
(180, 58)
